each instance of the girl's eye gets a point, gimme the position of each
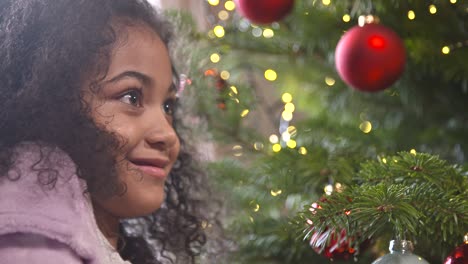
(169, 106)
(132, 97)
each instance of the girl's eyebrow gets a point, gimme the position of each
(145, 79)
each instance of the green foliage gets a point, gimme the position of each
(420, 197)
(413, 196)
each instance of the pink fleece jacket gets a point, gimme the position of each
(40, 224)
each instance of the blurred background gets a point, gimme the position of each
(331, 127)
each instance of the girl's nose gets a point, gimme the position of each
(161, 134)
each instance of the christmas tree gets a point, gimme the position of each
(318, 164)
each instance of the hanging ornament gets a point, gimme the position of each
(339, 245)
(459, 255)
(264, 11)
(401, 251)
(370, 57)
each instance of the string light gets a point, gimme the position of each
(302, 151)
(213, 2)
(292, 130)
(286, 98)
(268, 33)
(432, 9)
(237, 150)
(366, 127)
(328, 189)
(384, 160)
(287, 116)
(234, 89)
(339, 187)
(276, 148)
(230, 5)
(224, 75)
(413, 152)
(326, 2)
(258, 146)
(270, 75)
(330, 81)
(285, 136)
(245, 113)
(453, 1)
(223, 15)
(274, 139)
(291, 144)
(215, 58)
(275, 193)
(256, 208)
(211, 34)
(257, 32)
(411, 15)
(445, 50)
(346, 18)
(289, 107)
(218, 31)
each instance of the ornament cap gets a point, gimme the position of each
(402, 246)
(368, 19)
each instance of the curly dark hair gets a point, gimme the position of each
(47, 49)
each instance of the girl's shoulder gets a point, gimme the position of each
(42, 195)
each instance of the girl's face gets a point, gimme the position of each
(136, 101)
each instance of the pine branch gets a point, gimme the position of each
(414, 196)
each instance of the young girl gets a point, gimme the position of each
(88, 138)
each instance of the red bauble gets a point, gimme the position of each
(370, 58)
(264, 11)
(458, 256)
(338, 247)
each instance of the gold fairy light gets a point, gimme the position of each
(286, 98)
(287, 116)
(276, 147)
(215, 58)
(411, 15)
(237, 150)
(289, 107)
(292, 130)
(445, 50)
(291, 143)
(244, 113)
(270, 75)
(224, 75)
(328, 189)
(275, 193)
(230, 5)
(413, 152)
(213, 2)
(346, 18)
(256, 208)
(258, 145)
(285, 136)
(330, 81)
(274, 139)
(223, 15)
(219, 31)
(268, 33)
(366, 127)
(234, 89)
(302, 151)
(432, 9)
(326, 2)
